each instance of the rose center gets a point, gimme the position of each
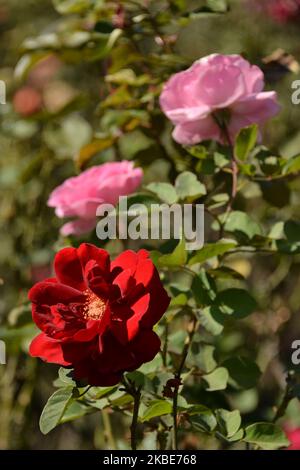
(94, 306)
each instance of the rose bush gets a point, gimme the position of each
(223, 372)
(216, 90)
(96, 315)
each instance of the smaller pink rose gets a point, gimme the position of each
(281, 11)
(80, 196)
(216, 88)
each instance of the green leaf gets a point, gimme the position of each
(201, 418)
(219, 6)
(91, 149)
(211, 250)
(212, 320)
(269, 163)
(292, 165)
(292, 231)
(179, 301)
(267, 436)
(247, 169)
(242, 225)
(216, 380)
(202, 356)
(224, 272)
(157, 408)
(67, 137)
(137, 377)
(164, 191)
(243, 372)
(219, 200)
(277, 193)
(153, 366)
(66, 376)
(175, 259)
(188, 187)
(55, 408)
(72, 6)
(197, 151)
(203, 288)
(98, 392)
(245, 142)
(236, 302)
(238, 436)
(229, 421)
(75, 411)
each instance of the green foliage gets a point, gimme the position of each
(164, 191)
(157, 408)
(188, 187)
(229, 422)
(242, 226)
(55, 408)
(243, 373)
(210, 251)
(176, 259)
(245, 142)
(266, 436)
(216, 380)
(236, 302)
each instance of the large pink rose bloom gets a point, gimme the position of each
(214, 87)
(80, 196)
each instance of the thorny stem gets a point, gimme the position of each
(185, 352)
(165, 348)
(133, 428)
(286, 398)
(85, 391)
(135, 392)
(234, 165)
(175, 422)
(234, 169)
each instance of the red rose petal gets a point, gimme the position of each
(145, 346)
(87, 252)
(49, 293)
(47, 349)
(68, 268)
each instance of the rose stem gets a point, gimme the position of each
(234, 165)
(288, 395)
(136, 406)
(178, 376)
(136, 394)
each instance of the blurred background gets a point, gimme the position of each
(58, 101)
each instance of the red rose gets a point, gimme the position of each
(96, 315)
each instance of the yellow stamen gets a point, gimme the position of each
(94, 306)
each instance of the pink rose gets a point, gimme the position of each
(293, 435)
(80, 196)
(216, 87)
(281, 11)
